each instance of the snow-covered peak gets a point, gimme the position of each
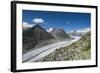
(79, 32)
(83, 30)
(49, 29)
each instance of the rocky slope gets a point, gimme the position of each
(60, 34)
(33, 36)
(80, 50)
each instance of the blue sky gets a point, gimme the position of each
(68, 21)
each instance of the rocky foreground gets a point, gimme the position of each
(79, 50)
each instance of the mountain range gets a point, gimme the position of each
(79, 32)
(37, 35)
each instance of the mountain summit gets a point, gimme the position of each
(34, 35)
(60, 34)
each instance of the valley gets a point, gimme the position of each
(39, 53)
(78, 50)
(40, 45)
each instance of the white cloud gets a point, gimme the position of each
(38, 21)
(35, 22)
(26, 25)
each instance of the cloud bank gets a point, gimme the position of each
(27, 25)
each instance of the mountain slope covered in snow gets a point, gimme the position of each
(79, 32)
